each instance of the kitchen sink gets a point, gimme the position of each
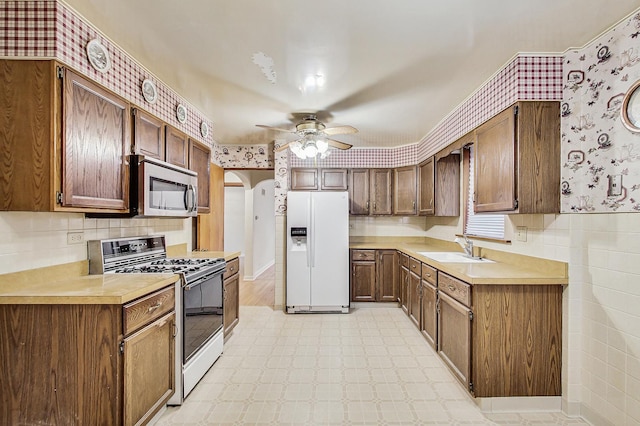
(452, 257)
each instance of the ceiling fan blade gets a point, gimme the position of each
(277, 129)
(338, 144)
(283, 147)
(340, 130)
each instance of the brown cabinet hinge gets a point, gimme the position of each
(122, 347)
(60, 72)
(470, 316)
(59, 197)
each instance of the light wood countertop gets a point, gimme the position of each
(87, 289)
(508, 268)
(70, 283)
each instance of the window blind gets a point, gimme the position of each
(481, 225)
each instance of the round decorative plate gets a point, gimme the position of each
(149, 91)
(98, 56)
(181, 113)
(630, 112)
(204, 129)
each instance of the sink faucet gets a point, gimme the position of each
(467, 245)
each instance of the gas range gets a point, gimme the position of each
(190, 268)
(146, 255)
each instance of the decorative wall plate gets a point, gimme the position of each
(98, 56)
(181, 113)
(630, 111)
(149, 91)
(204, 129)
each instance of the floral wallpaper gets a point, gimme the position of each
(600, 157)
(244, 156)
(281, 179)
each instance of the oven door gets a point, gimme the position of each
(166, 190)
(201, 312)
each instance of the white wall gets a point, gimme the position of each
(33, 240)
(263, 227)
(234, 213)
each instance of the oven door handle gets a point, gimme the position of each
(203, 278)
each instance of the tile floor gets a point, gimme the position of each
(370, 367)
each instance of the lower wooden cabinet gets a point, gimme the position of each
(87, 364)
(374, 276)
(454, 337)
(429, 320)
(414, 292)
(403, 283)
(231, 295)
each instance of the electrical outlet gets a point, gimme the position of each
(75, 237)
(521, 233)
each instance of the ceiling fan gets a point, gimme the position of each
(313, 137)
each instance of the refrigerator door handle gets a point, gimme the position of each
(311, 238)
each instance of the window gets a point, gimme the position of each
(479, 225)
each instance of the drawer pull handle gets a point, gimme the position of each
(428, 275)
(413, 266)
(154, 307)
(452, 288)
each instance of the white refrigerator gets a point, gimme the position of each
(317, 252)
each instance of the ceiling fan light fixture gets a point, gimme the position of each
(310, 149)
(322, 145)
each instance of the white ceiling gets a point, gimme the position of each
(391, 68)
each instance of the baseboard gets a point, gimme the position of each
(571, 408)
(592, 417)
(361, 305)
(260, 271)
(520, 404)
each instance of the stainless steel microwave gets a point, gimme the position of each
(161, 189)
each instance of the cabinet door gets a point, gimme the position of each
(447, 186)
(177, 147)
(387, 280)
(454, 336)
(404, 286)
(333, 179)
(210, 227)
(404, 187)
(304, 179)
(149, 370)
(359, 192)
(380, 191)
(96, 139)
(495, 156)
(426, 191)
(363, 281)
(231, 304)
(199, 162)
(148, 135)
(429, 314)
(414, 305)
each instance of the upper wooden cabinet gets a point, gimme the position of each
(517, 160)
(380, 190)
(310, 179)
(64, 141)
(370, 192)
(426, 188)
(304, 180)
(200, 162)
(404, 186)
(447, 186)
(359, 192)
(333, 179)
(177, 147)
(148, 135)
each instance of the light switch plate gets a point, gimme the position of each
(615, 186)
(521, 233)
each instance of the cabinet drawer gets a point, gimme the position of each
(430, 274)
(414, 266)
(357, 255)
(455, 288)
(233, 267)
(404, 260)
(147, 309)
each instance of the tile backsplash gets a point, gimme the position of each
(32, 239)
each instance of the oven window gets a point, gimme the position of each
(166, 195)
(202, 314)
